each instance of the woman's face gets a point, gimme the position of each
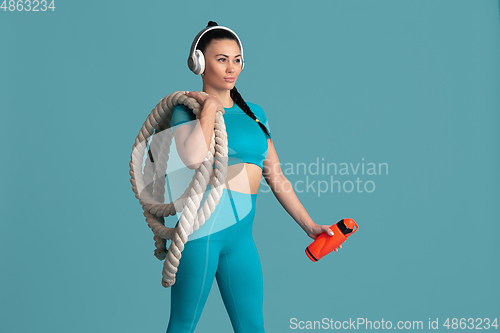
(222, 64)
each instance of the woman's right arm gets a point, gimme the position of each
(192, 142)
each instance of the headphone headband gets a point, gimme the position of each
(196, 61)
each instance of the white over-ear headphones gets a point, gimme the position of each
(196, 60)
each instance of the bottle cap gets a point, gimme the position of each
(346, 226)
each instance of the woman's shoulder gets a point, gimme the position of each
(181, 107)
(181, 114)
(257, 110)
(250, 104)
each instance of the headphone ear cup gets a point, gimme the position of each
(199, 62)
(191, 63)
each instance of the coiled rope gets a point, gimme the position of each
(149, 184)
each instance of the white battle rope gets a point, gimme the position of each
(149, 184)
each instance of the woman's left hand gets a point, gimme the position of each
(318, 229)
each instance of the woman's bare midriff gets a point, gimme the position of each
(244, 178)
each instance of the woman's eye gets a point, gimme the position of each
(224, 59)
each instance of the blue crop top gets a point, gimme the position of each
(247, 142)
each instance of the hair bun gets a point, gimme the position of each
(211, 24)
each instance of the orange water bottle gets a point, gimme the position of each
(324, 243)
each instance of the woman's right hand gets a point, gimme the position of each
(318, 229)
(209, 103)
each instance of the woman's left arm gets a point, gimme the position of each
(283, 191)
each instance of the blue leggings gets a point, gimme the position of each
(223, 247)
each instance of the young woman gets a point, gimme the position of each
(223, 247)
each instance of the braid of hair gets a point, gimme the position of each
(235, 95)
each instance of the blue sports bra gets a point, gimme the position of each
(247, 142)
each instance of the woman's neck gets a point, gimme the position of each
(223, 95)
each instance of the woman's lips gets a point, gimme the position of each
(229, 79)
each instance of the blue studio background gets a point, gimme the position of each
(412, 86)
